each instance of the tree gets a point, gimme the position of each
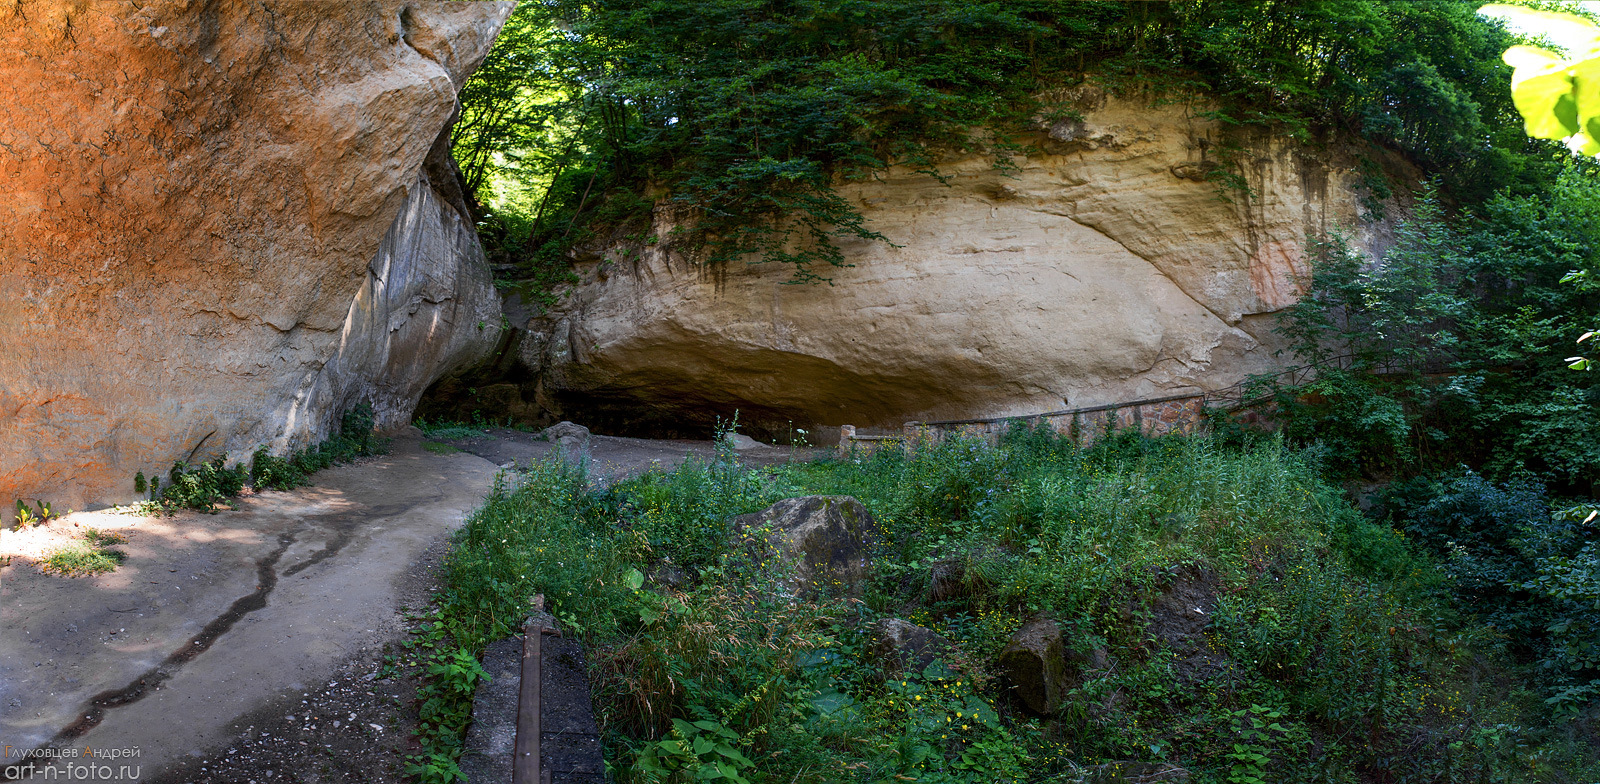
(1558, 97)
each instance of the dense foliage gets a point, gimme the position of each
(1333, 649)
(1453, 349)
(744, 114)
(1523, 568)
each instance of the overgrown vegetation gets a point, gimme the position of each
(1531, 572)
(1337, 647)
(743, 115)
(207, 486)
(1454, 344)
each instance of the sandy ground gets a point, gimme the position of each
(253, 645)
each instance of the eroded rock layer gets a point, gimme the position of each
(223, 226)
(1121, 261)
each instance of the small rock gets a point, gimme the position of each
(668, 575)
(1035, 664)
(904, 646)
(572, 441)
(742, 442)
(828, 534)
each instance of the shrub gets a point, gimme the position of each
(353, 439)
(1525, 569)
(206, 486)
(203, 487)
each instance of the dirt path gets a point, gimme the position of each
(250, 646)
(213, 617)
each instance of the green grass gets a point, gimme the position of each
(452, 430)
(1332, 648)
(91, 553)
(439, 449)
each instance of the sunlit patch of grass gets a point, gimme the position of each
(90, 554)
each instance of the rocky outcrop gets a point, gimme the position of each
(1115, 263)
(225, 223)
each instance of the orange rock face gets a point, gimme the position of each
(221, 226)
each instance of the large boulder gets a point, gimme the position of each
(827, 538)
(571, 440)
(224, 223)
(1110, 265)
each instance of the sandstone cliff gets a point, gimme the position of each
(1110, 267)
(223, 226)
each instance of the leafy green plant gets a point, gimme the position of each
(40, 514)
(353, 439)
(695, 751)
(203, 487)
(25, 516)
(1553, 93)
(450, 675)
(1252, 748)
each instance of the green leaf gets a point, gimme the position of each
(635, 579)
(1586, 87)
(733, 754)
(1545, 101)
(711, 726)
(1532, 58)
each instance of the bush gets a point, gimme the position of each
(203, 487)
(206, 486)
(1452, 349)
(353, 439)
(1526, 570)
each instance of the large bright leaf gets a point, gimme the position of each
(1546, 103)
(1558, 97)
(1579, 36)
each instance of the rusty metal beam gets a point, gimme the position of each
(525, 759)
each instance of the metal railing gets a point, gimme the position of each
(1154, 416)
